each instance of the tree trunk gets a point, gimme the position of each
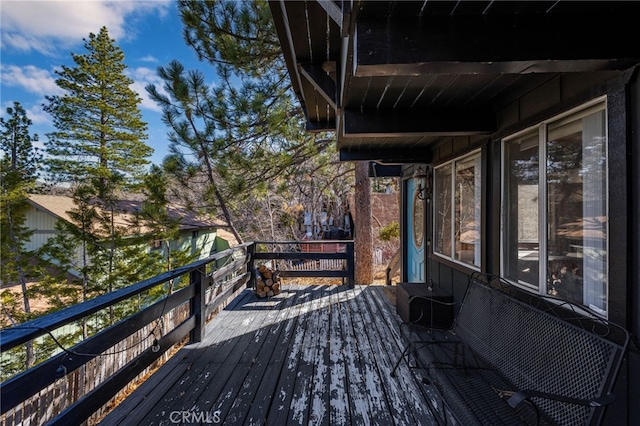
(23, 285)
(363, 237)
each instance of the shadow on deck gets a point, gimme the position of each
(311, 355)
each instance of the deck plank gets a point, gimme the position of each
(338, 399)
(256, 371)
(279, 412)
(300, 401)
(356, 386)
(319, 402)
(317, 355)
(266, 389)
(399, 389)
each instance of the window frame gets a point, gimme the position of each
(475, 154)
(595, 105)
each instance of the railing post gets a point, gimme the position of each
(198, 305)
(251, 249)
(351, 265)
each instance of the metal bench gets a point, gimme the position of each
(512, 357)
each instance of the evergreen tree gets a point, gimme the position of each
(195, 147)
(18, 167)
(99, 148)
(99, 129)
(232, 141)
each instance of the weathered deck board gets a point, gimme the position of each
(318, 355)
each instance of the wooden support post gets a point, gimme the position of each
(198, 305)
(251, 249)
(351, 265)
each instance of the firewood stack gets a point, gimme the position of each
(267, 282)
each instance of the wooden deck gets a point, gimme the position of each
(311, 355)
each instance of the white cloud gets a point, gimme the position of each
(143, 76)
(37, 115)
(46, 26)
(30, 78)
(149, 58)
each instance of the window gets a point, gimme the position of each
(457, 209)
(555, 208)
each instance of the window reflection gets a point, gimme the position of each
(521, 196)
(574, 223)
(442, 204)
(457, 210)
(576, 210)
(418, 220)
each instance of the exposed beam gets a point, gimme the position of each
(341, 15)
(473, 44)
(384, 170)
(317, 76)
(392, 155)
(279, 13)
(324, 126)
(418, 122)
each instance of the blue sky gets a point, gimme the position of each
(37, 37)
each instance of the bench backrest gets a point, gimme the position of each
(542, 343)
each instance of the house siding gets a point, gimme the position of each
(43, 225)
(622, 91)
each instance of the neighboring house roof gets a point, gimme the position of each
(60, 206)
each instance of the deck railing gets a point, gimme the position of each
(311, 259)
(76, 384)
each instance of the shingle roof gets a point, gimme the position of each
(60, 206)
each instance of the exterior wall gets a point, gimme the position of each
(529, 108)
(43, 225)
(204, 243)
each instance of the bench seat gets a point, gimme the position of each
(513, 357)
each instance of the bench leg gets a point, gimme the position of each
(404, 353)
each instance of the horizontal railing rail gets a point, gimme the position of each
(199, 305)
(317, 250)
(182, 314)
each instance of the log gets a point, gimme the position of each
(268, 282)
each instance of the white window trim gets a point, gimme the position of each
(541, 128)
(452, 258)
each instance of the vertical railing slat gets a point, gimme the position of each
(198, 305)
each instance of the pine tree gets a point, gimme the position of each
(98, 147)
(99, 129)
(253, 104)
(18, 167)
(231, 141)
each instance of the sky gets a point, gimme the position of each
(38, 37)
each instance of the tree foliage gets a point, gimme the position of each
(99, 148)
(241, 140)
(18, 171)
(99, 129)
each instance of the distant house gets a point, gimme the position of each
(204, 236)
